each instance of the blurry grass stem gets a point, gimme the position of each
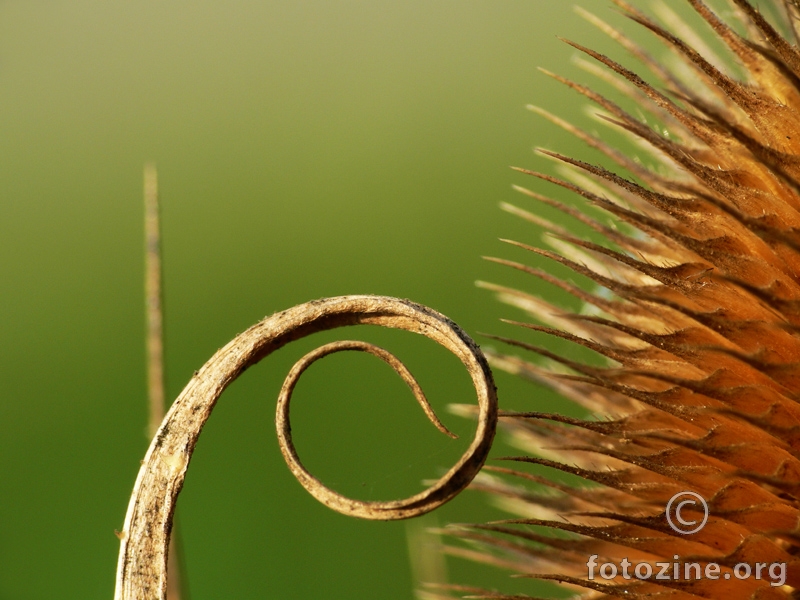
(155, 342)
(153, 300)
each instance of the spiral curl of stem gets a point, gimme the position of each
(142, 565)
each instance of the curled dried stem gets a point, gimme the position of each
(141, 569)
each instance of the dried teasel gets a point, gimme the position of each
(694, 308)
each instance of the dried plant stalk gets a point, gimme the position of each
(141, 570)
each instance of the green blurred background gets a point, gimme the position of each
(305, 149)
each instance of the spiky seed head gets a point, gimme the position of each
(694, 308)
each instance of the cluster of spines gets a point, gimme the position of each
(698, 327)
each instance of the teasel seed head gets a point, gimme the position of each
(694, 308)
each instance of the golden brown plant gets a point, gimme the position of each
(694, 306)
(145, 536)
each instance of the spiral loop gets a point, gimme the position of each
(141, 569)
